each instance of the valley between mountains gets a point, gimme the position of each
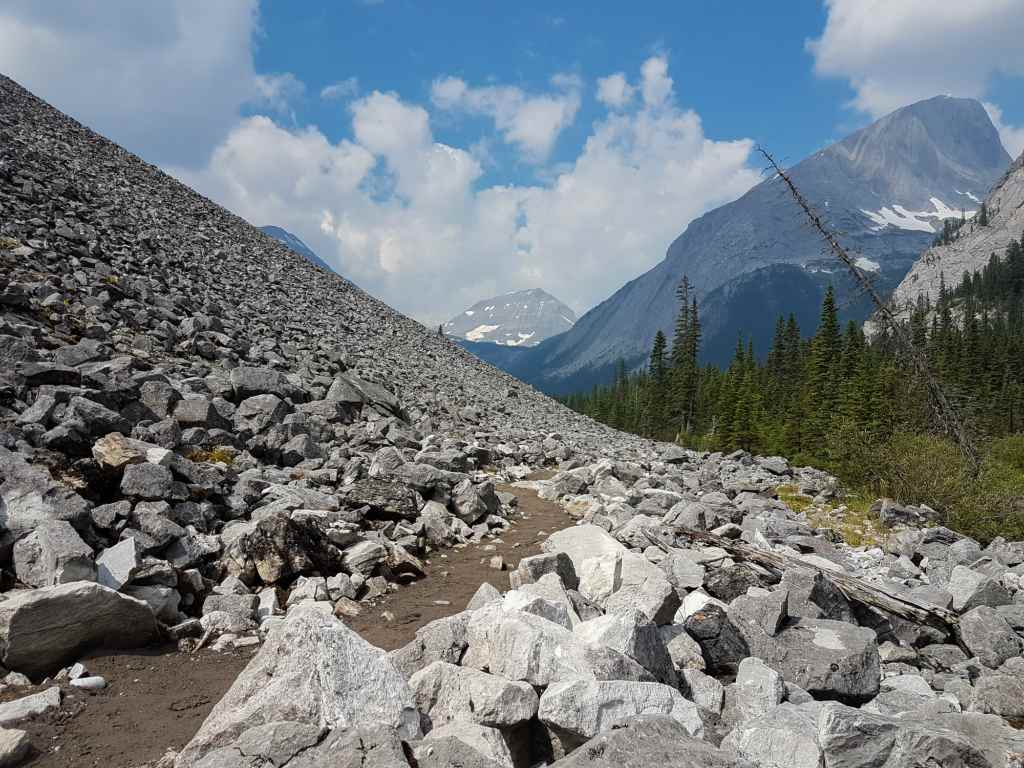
(252, 516)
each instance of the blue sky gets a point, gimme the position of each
(441, 153)
(742, 67)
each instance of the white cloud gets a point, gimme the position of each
(341, 90)
(165, 79)
(531, 122)
(278, 91)
(1012, 137)
(895, 52)
(656, 85)
(405, 216)
(615, 91)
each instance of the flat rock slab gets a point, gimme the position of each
(41, 630)
(646, 742)
(29, 706)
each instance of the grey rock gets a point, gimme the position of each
(971, 589)
(531, 569)
(583, 708)
(642, 742)
(146, 481)
(440, 640)
(445, 692)
(632, 633)
(15, 746)
(26, 707)
(464, 744)
(520, 646)
(43, 629)
(53, 554)
(851, 737)
(311, 669)
(989, 637)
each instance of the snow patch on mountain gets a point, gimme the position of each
(516, 319)
(917, 221)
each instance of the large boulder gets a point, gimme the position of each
(53, 554)
(633, 634)
(521, 646)
(443, 639)
(582, 542)
(30, 496)
(43, 629)
(580, 709)
(312, 669)
(445, 692)
(829, 659)
(642, 742)
(784, 737)
(988, 636)
(850, 738)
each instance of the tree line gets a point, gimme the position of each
(810, 397)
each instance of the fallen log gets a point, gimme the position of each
(854, 588)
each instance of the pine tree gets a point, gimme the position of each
(657, 398)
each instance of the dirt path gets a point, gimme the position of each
(455, 575)
(157, 698)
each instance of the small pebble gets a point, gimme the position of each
(442, 602)
(388, 616)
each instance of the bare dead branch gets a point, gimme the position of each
(946, 414)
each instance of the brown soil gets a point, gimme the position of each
(157, 698)
(453, 576)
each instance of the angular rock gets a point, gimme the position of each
(643, 742)
(43, 629)
(445, 692)
(311, 669)
(35, 704)
(632, 634)
(53, 554)
(441, 640)
(583, 708)
(520, 646)
(989, 637)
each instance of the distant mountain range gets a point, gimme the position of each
(293, 242)
(887, 188)
(517, 319)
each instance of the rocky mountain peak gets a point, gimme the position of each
(888, 187)
(516, 319)
(974, 244)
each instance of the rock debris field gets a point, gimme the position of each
(209, 444)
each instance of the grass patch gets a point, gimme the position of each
(219, 455)
(790, 496)
(853, 520)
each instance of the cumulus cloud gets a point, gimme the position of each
(278, 91)
(615, 91)
(530, 122)
(165, 79)
(1013, 138)
(341, 90)
(406, 217)
(895, 52)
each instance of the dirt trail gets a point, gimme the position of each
(157, 698)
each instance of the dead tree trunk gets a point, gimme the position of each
(946, 413)
(852, 587)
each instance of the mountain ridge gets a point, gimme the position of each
(886, 215)
(515, 319)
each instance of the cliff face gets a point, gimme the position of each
(975, 245)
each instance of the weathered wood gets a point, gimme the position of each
(852, 587)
